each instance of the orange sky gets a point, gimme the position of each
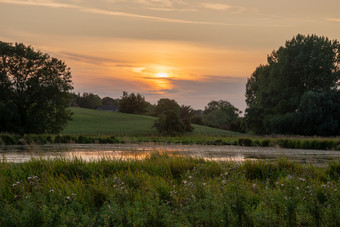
(193, 51)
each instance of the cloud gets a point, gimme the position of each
(333, 19)
(216, 6)
(52, 4)
(89, 59)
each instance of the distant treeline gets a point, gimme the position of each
(218, 114)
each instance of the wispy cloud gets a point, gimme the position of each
(216, 6)
(52, 4)
(333, 19)
(89, 59)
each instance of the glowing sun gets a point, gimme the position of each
(162, 75)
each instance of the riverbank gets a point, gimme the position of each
(168, 191)
(317, 143)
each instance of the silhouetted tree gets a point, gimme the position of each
(222, 114)
(89, 100)
(169, 123)
(34, 90)
(186, 113)
(166, 104)
(131, 103)
(274, 91)
(110, 101)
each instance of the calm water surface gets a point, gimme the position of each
(90, 152)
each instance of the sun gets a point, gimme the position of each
(162, 75)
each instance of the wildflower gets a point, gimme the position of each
(68, 197)
(190, 177)
(29, 178)
(185, 182)
(52, 190)
(282, 185)
(254, 186)
(297, 188)
(226, 173)
(301, 179)
(204, 184)
(323, 186)
(224, 182)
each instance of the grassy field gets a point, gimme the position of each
(168, 191)
(95, 122)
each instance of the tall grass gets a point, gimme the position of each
(168, 191)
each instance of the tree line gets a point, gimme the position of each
(295, 92)
(173, 118)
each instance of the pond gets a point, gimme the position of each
(89, 152)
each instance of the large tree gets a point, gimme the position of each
(274, 91)
(34, 90)
(132, 103)
(166, 104)
(222, 114)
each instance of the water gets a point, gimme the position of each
(90, 152)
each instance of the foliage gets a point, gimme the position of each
(304, 71)
(166, 104)
(222, 114)
(110, 101)
(133, 104)
(186, 114)
(164, 191)
(88, 100)
(169, 123)
(33, 90)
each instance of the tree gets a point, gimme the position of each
(166, 104)
(275, 90)
(169, 123)
(89, 100)
(110, 101)
(186, 114)
(134, 104)
(34, 90)
(222, 114)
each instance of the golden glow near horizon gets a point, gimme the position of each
(193, 51)
(162, 75)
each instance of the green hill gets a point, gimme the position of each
(96, 122)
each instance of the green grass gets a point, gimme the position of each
(95, 122)
(168, 191)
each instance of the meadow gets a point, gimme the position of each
(93, 126)
(95, 122)
(168, 191)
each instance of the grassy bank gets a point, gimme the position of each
(283, 142)
(168, 191)
(95, 122)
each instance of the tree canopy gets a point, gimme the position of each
(166, 104)
(222, 114)
(34, 90)
(281, 93)
(131, 103)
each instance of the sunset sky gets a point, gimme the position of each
(193, 51)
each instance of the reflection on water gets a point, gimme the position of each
(94, 152)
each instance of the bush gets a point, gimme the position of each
(169, 123)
